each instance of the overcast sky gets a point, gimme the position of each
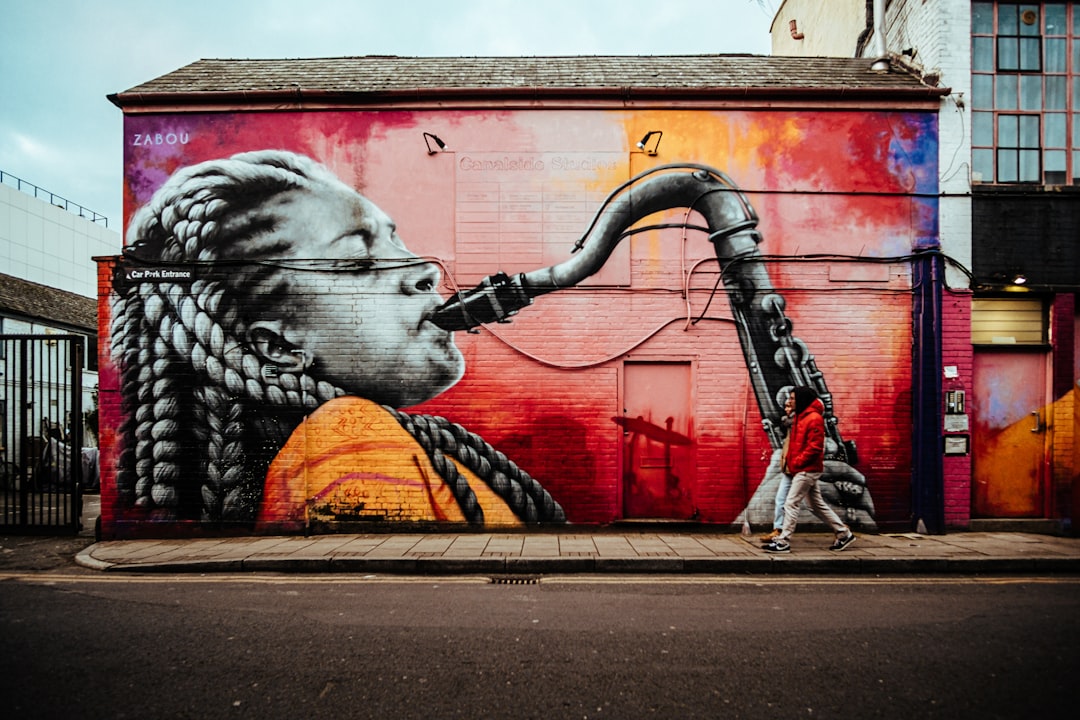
(60, 58)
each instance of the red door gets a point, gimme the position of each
(658, 448)
(1008, 435)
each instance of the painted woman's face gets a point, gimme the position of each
(363, 325)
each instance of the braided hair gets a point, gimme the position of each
(201, 424)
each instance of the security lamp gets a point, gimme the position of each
(648, 136)
(429, 138)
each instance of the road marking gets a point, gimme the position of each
(828, 580)
(219, 578)
(345, 579)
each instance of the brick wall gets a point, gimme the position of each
(549, 389)
(859, 335)
(939, 33)
(956, 351)
(1062, 428)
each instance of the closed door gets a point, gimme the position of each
(1010, 443)
(657, 435)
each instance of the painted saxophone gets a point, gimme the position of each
(775, 358)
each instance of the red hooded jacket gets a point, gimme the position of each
(806, 447)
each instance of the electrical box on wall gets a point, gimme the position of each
(954, 402)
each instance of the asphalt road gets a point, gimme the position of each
(76, 645)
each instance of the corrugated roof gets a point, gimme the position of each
(381, 75)
(32, 301)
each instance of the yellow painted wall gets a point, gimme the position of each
(829, 29)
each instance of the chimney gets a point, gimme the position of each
(880, 53)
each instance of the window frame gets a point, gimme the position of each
(981, 314)
(1012, 86)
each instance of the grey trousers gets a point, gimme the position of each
(805, 486)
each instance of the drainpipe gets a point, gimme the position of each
(928, 472)
(880, 54)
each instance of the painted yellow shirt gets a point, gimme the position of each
(351, 460)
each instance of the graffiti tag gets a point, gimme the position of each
(147, 139)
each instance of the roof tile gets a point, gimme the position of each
(46, 304)
(373, 74)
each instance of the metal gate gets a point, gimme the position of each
(41, 479)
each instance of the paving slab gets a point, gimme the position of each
(604, 551)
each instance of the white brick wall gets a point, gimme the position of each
(939, 32)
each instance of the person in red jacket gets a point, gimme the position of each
(804, 460)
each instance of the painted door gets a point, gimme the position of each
(657, 435)
(1009, 434)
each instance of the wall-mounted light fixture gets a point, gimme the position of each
(645, 140)
(439, 144)
(1012, 282)
(1008, 281)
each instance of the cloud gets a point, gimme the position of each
(35, 150)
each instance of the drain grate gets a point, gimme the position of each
(515, 579)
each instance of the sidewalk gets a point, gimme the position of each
(590, 552)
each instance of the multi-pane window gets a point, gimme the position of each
(1025, 87)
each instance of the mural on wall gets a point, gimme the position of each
(299, 297)
(776, 360)
(276, 347)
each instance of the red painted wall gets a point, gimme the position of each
(843, 198)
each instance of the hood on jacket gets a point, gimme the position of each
(804, 397)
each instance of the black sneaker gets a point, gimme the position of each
(841, 543)
(777, 546)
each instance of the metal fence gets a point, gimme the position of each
(52, 198)
(45, 467)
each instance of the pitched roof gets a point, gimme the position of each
(45, 304)
(424, 78)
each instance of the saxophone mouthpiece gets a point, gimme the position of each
(497, 298)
